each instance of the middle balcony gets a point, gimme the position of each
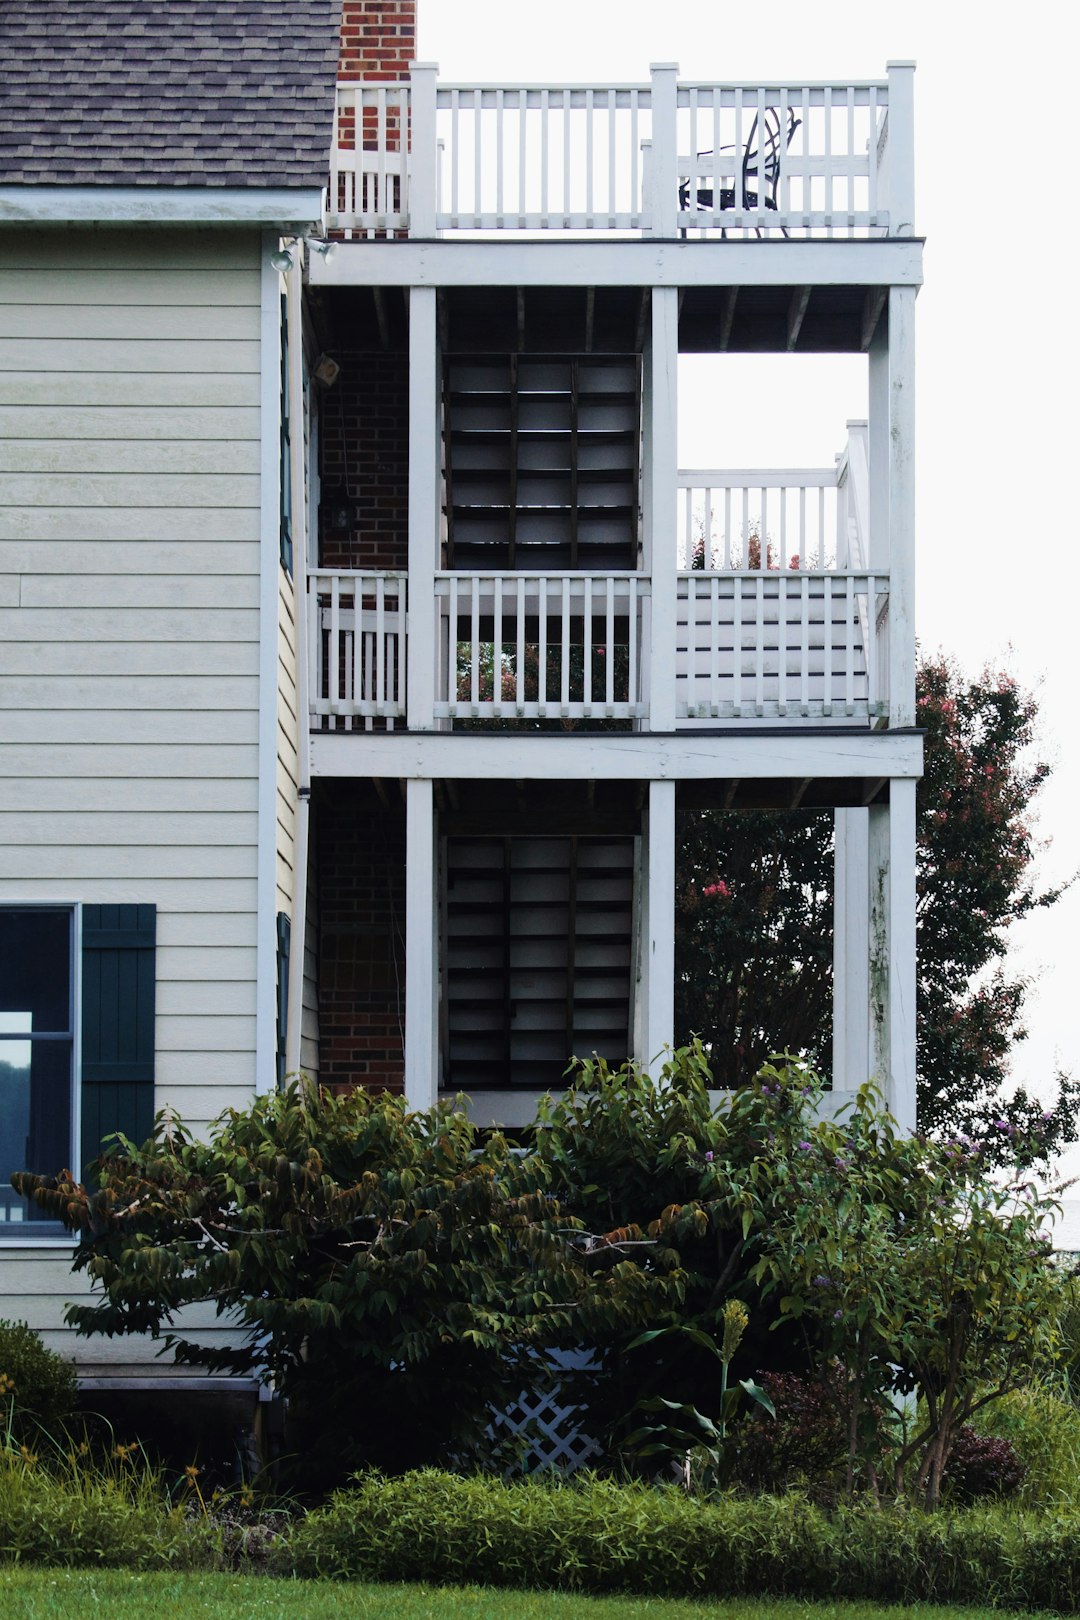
(774, 613)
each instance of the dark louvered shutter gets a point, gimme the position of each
(117, 1024)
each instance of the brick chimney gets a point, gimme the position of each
(378, 39)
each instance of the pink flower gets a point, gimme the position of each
(713, 889)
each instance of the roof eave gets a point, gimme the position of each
(291, 209)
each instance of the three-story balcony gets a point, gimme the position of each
(780, 616)
(664, 158)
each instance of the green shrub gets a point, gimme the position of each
(95, 1521)
(595, 1535)
(38, 1386)
(1043, 1428)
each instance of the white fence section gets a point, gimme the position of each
(726, 517)
(657, 159)
(356, 638)
(781, 612)
(756, 646)
(539, 646)
(762, 160)
(368, 194)
(540, 158)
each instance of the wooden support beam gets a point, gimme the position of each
(796, 314)
(442, 319)
(590, 312)
(521, 320)
(730, 792)
(381, 793)
(452, 793)
(873, 304)
(421, 962)
(381, 315)
(727, 317)
(871, 788)
(799, 791)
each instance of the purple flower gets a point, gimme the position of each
(822, 1282)
(806, 1147)
(708, 1158)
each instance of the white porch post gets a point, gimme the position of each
(892, 948)
(423, 507)
(421, 953)
(658, 966)
(663, 198)
(851, 950)
(659, 490)
(423, 149)
(901, 428)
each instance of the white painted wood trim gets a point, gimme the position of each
(660, 483)
(646, 263)
(900, 156)
(423, 149)
(421, 950)
(902, 506)
(851, 944)
(298, 443)
(683, 756)
(264, 1078)
(902, 972)
(660, 925)
(424, 446)
(288, 211)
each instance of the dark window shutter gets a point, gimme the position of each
(118, 982)
(285, 450)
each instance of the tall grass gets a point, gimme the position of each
(1043, 1425)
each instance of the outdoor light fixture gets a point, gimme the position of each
(282, 259)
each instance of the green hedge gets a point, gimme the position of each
(42, 1523)
(598, 1536)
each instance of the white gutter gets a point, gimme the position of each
(287, 209)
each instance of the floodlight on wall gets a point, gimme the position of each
(323, 249)
(326, 371)
(282, 259)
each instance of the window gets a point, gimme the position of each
(37, 1043)
(43, 1100)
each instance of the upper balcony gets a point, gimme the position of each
(669, 158)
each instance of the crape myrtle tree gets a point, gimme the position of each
(754, 920)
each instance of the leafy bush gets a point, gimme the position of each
(1043, 1428)
(804, 1444)
(39, 1387)
(597, 1536)
(982, 1465)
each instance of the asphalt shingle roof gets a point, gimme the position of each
(167, 92)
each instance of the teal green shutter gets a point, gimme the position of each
(117, 1024)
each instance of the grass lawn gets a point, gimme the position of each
(60, 1594)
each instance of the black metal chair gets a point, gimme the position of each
(764, 148)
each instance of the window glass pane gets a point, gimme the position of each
(35, 1117)
(35, 970)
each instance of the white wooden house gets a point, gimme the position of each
(360, 632)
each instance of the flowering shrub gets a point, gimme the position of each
(982, 1465)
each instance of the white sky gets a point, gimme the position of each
(998, 349)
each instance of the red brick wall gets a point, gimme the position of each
(361, 942)
(364, 433)
(378, 39)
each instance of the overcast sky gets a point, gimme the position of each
(998, 458)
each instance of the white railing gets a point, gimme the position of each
(539, 158)
(782, 611)
(356, 641)
(800, 160)
(758, 646)
(725, 517)
(368, 190)
(539, 646)
(661, 158)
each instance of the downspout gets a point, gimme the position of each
(298, 469)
